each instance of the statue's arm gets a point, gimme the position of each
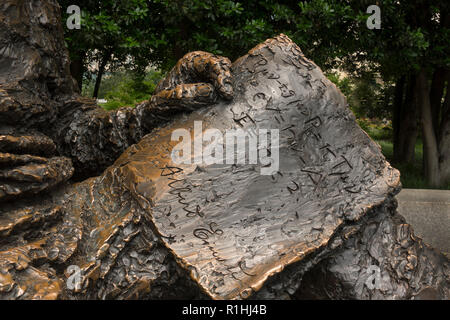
(94, 138)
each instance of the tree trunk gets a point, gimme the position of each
(397, 113)
(77, 69)
(430, 147)
(101, 70)
(436, 92)
(444, 139)
(408, 125)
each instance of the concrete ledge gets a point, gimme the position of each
(428, 212)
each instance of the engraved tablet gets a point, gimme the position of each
(235, 225)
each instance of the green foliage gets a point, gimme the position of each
(125, 88)
(331, 32)
(372, 97)
(114, 31)
(411, 174)
(161, 31)
(376, 129)
(342, 82)
(411, 35)
(224, 27)
(368, 96)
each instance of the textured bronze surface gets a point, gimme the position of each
(37, 93)
(206, 71)
(234, 228)
(94, 138)
(407, 267)
(148, 228)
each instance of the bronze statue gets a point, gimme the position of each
(322, 224)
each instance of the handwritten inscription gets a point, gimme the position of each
(234, 222)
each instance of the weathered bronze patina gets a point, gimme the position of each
(146, 227)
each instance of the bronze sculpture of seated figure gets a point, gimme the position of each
(135, 224)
